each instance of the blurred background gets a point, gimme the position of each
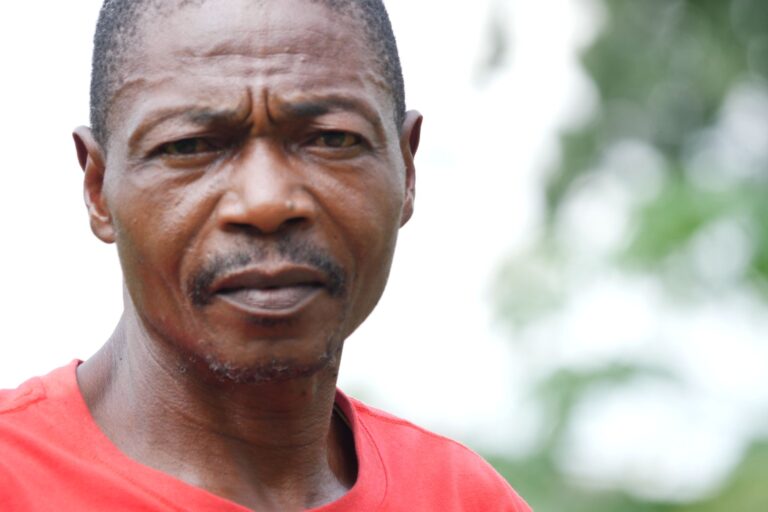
(582, 295)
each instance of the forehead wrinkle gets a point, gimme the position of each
(248, 56)
(283, 46)
(244, 43)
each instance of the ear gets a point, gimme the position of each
(91, 158)
(410, 135)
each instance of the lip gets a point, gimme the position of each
(270, 291)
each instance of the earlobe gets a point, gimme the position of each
(410, 135)
(91, 159)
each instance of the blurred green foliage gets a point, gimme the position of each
(683, 78)
(538, 480)
(687, 82)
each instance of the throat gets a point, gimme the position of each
(277, 446)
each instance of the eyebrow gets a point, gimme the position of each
(325, 105)
(200, 116)
(197, 115)
(211, 117)
(205, 116)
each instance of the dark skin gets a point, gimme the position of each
(254, 182)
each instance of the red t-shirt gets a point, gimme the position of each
(54, 457)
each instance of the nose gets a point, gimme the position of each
(265, 193)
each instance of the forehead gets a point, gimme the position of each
(278, 49)
(249, 25)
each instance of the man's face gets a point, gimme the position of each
(255, 184)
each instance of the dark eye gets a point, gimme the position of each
(337, 140)
(187, 147)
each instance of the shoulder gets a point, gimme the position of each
(13, 402)
(416, 457)
(37, 390)
(22, 426)
(388, 428)
(32, 414)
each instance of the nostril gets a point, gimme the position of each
(289, 224)
(295, 220)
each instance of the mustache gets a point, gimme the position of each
(288, 250)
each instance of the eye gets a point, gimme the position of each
(337, 140)
(188, 147)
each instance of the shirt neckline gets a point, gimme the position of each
(366, 494)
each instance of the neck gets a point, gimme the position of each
(271, 445)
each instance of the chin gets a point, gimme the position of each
(273, 371)
(270, 368)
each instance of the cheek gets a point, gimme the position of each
(370, 217)
(155, 228)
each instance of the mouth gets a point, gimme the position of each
(270, 292)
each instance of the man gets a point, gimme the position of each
(253, 162)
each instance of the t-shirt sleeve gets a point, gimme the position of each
(483, 488)
(426, 471)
